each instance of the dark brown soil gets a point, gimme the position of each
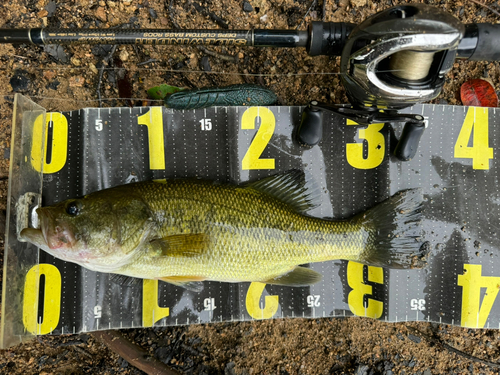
(291, 346)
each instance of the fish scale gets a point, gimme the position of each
(250, 236)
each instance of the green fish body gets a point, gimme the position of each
(187, 230)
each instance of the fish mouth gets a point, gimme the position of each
(56, 235)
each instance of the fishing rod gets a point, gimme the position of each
(394, 59)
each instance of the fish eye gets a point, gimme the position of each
(73, 208)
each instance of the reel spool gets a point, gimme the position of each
(399, 57)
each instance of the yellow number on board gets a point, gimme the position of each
(475, 125)
(254, 294)
(474, 311)
(376, 147)
(51, 299)
(373, 308)
(153, 119)
(151, 311)
(59, 146)
(252, 159)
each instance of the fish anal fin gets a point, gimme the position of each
(126, 281)
(182, 245)
(192, 283)
(299, 276)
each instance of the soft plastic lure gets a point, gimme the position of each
(234, 95)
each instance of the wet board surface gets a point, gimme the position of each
(92, 149)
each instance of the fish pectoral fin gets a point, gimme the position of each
(182, 245)
(299, 276)
(192, 283)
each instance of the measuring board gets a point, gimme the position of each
(91, 149)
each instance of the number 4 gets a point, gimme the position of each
(475, 125)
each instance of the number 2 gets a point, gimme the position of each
(252, 159)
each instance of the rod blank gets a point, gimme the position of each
(260, 38)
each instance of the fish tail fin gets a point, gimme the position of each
(395, 231)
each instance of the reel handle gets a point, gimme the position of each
(406, 148)
(310, 130)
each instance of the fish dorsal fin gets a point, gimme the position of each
(291, 188)
(192, 283)
(299, 276)
(182, 245)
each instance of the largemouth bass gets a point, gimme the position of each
(184, 231)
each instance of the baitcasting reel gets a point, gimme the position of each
(398, 58)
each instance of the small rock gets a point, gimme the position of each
(57, 52)
(414, 338)
(127, 2)
(53, 85)
(43, 13)
(205, 64)
(229, 369)
(162, 353)
(152, 13)
(164, 21)
(19, 81)
(343, 3)
(75, 61)
(93, 69)
(76, 81)
(49, 74)
(101, 50)
(362, 370)
(241, 55)
(51, 8)
(124, 55)
(123, 363)
(84, 337)
(358, 3)
(102, 3)
(111, 4)
(263, 19)
(101, 15)
(247, 7)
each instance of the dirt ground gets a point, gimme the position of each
(68, 78)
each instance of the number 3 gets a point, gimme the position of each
(376, 147)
